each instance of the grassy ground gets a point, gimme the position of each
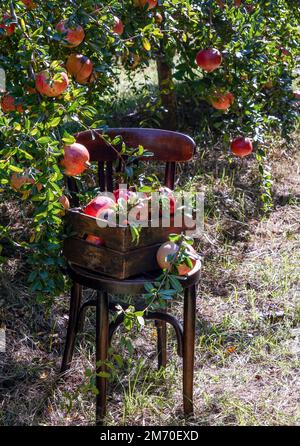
(248, 320)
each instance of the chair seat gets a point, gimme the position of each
(132, 285)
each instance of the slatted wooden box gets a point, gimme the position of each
(120, 258)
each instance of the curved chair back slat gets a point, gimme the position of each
(166, 146)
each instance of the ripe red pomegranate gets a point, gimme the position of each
(297, 96)
(98, 205)
(167, 199)
(209, 60)
(142, 3)
(165, 256)
(76, 159)
(118, 26)
(64, 201)
(8, 104)
(237, 3)
(241, 146)
(81, 67)
(95, 240)
(222, 101)
(9, 29)
(51, 87)
(72, 35)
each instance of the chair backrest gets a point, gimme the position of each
(167, 146)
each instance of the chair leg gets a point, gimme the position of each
(161, 328)
(76, 293)
(102, 335)
(188, 348)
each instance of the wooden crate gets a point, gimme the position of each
(119, 265)
(120, 258)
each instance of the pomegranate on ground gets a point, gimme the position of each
(76, 159)
(73, 35)
(166, 254)
(51, 86)
(241, 146)
(209, 59)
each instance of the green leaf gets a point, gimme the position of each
(146, 44)
(68, 139)
(15, 169)
(44, 140)
(54, 122)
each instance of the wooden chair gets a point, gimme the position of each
(170, 148)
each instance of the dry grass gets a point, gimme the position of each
(248, 322)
